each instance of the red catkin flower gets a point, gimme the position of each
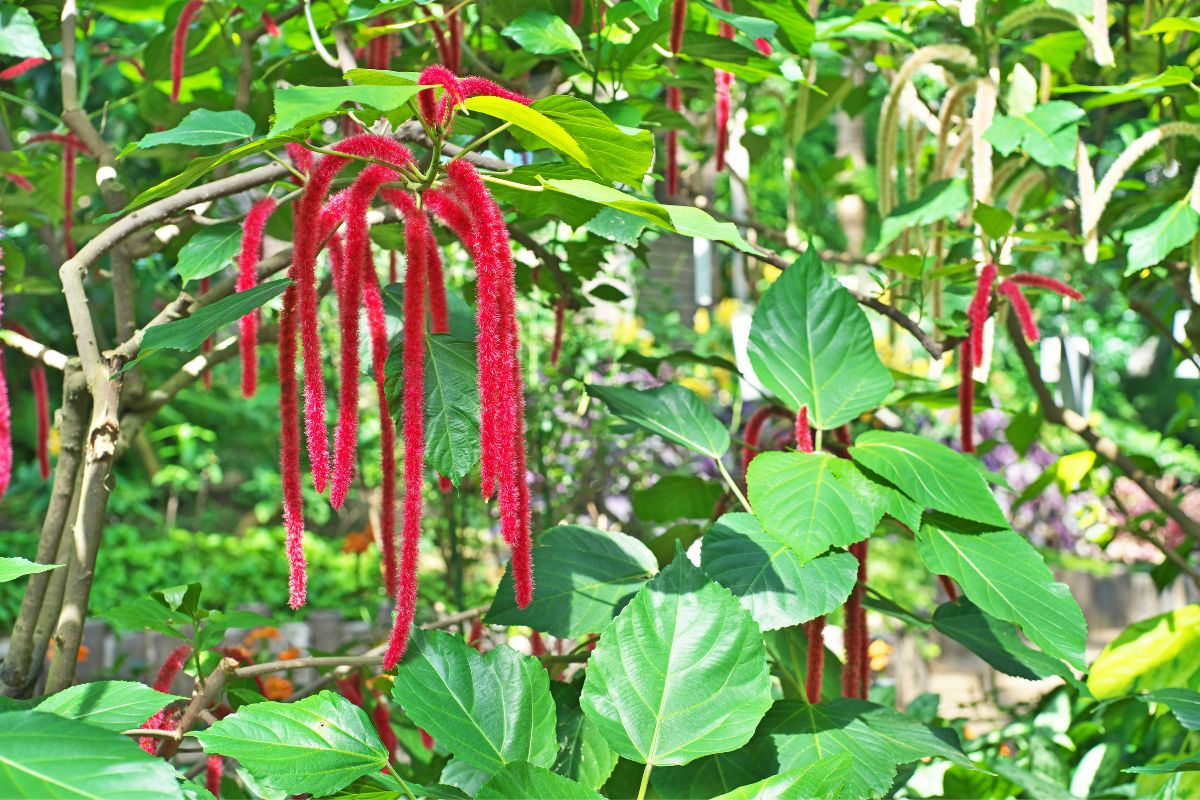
(753, 431)
(20, 181)
(1045, 282)
(473, 86)
(724, 82)
(350, 688)
(41, 402)
(576, 13)
(213, 769)
(20, 68)
(379, 49)
(1021, 306)
(475, 634)
(455, 46)
(966, 397)
(426, 739)
(814, 630)
(440, 41)
(678, 19)
(269, 24)
(949, 587)
(377, 331)
(977, 311)
(248, 258)
(537, 647)
(300, 156)
(179, 45)
(383, 725)
(804, 434)
(856, 675)
(437, 112)
(560, 312)
(289, 450)
(162, 683)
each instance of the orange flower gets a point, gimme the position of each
(277, 688)
(264, 632)
(358, 541)
(291, 652)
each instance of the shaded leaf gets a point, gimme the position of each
(209, 251)
(938, 201)
(202, 127)
(112, 705)
(1047, 134)
(1184, 704)
(671, 411)
(824, 778)
(675, 497)
(583, 753)
(523, 780)
(995, 641)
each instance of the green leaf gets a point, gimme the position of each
(681, 673)
(799, 501)
(996, 222)
(1155, 653)
(754, 27)
(615, 153)
(209, 251)
(1184, 704)
(938, 201)
(824, 778)
(1130, 90)
(796, 29)
(995, 641)
(146, 614)
(1047, 134)
(534, 204)
(583, 754)
(189, 333)
(1189, 763)
(519, 779)
(930, 473)
(1034, 785)
(298, 107)
(1151, 244)
(684, 220)
(543, 34)
(770, 577)
(19, 35)
(811, 345)
(722, 772)
(729, 56)
(671, 411)
(112, 705)
(43, 755)
(534, 121)
(13, 567)
(451, 404)
(676, 497)
(584, 577)
(202, 127)
(313, 746)
(1006, 577)
(488, 710)
(1173, 25)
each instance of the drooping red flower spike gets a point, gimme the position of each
(977, 311)
(300, 156)
(382, 721)
(377, 331)
(855, 674)
(456, 37)
(537, 647)
(475, 635)
(289, 450)
(269, 24)
(949, 587)
(437, 113)
(474, 86)
(678, 20)
(20, 181)
(804, 434)
(1021, 306)
(20, 68)
(1045, 282)
(179, 45)
(814, 630)
(753, 431)
(213, 769)
(41, 402)
(576, 13)
(764, 46)
(966, 397)
(724, 83)
(162, 683)
(248, 258)
(379, 49)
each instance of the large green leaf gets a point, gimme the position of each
(671, 411)
(488, 710)
(202, 127)
(799, 501)
(584, 577)
(930, 473)
(43, 755)
(877, 740)
(530, 205)
(209, 251)
(938, 201)
(995, 641)
(820, 779)
(583, 753)
(615, 153)
(298, 107)
(112, 705)
(1006, 577)
(676, 497)
(543, 33)
(681, 673)
(519, 779)
(722, 772)
(13, 567)
(773, 581)
(811, 345)
(313, 746)
(19, 35)
(1184, 704)
(189, 333)
(1151, 244)
(1047, 134)
(1155, 653)
(530, 119)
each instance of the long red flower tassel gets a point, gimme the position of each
(416, 242)
(1045, 282)
(248, 258)
(179, 45)
(162, 683)
(1021, 306)
(382, 721)
(966, 397)
(377, 330)
(977, 311)
(41, 400)
(814, 630)
(855, 673)
(753, 431)
(678, 19)
(20, 68)
(289, 450)
(576, 13)
(213, 769)
(724, 83)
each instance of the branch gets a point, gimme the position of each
(34, 350)
(1103, 446)
(201, 699)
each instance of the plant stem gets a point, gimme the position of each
(733, 486)
(403, 785)
(480, 140)
(645, 782)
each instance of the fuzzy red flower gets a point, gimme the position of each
(377, 331)
(966, 397)
(269, 25)
(977, 311)
(1021, 306)
(179, 45)
(1045, 282)
(20, 68)
(804, 434)
(6, 454)
(753, 431)
(248, 258)
(162, 683)
(678, 19)
(213, 768)
(814, 630)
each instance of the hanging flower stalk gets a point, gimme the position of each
(179, 45)
(41, 402)
(753, 431)
(814, 629)
(20, 68)
(724, 83)
(248, 258)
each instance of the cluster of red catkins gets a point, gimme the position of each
(464, 205)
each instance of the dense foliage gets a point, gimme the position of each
(629, 377)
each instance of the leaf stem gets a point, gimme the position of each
(480, 140)
(645, 781)
(733, 486)
(401, 781)
(524, 187)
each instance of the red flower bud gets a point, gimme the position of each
(804, 435)
(269, 24)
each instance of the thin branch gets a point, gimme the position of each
(34, 350)
(201, 699)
